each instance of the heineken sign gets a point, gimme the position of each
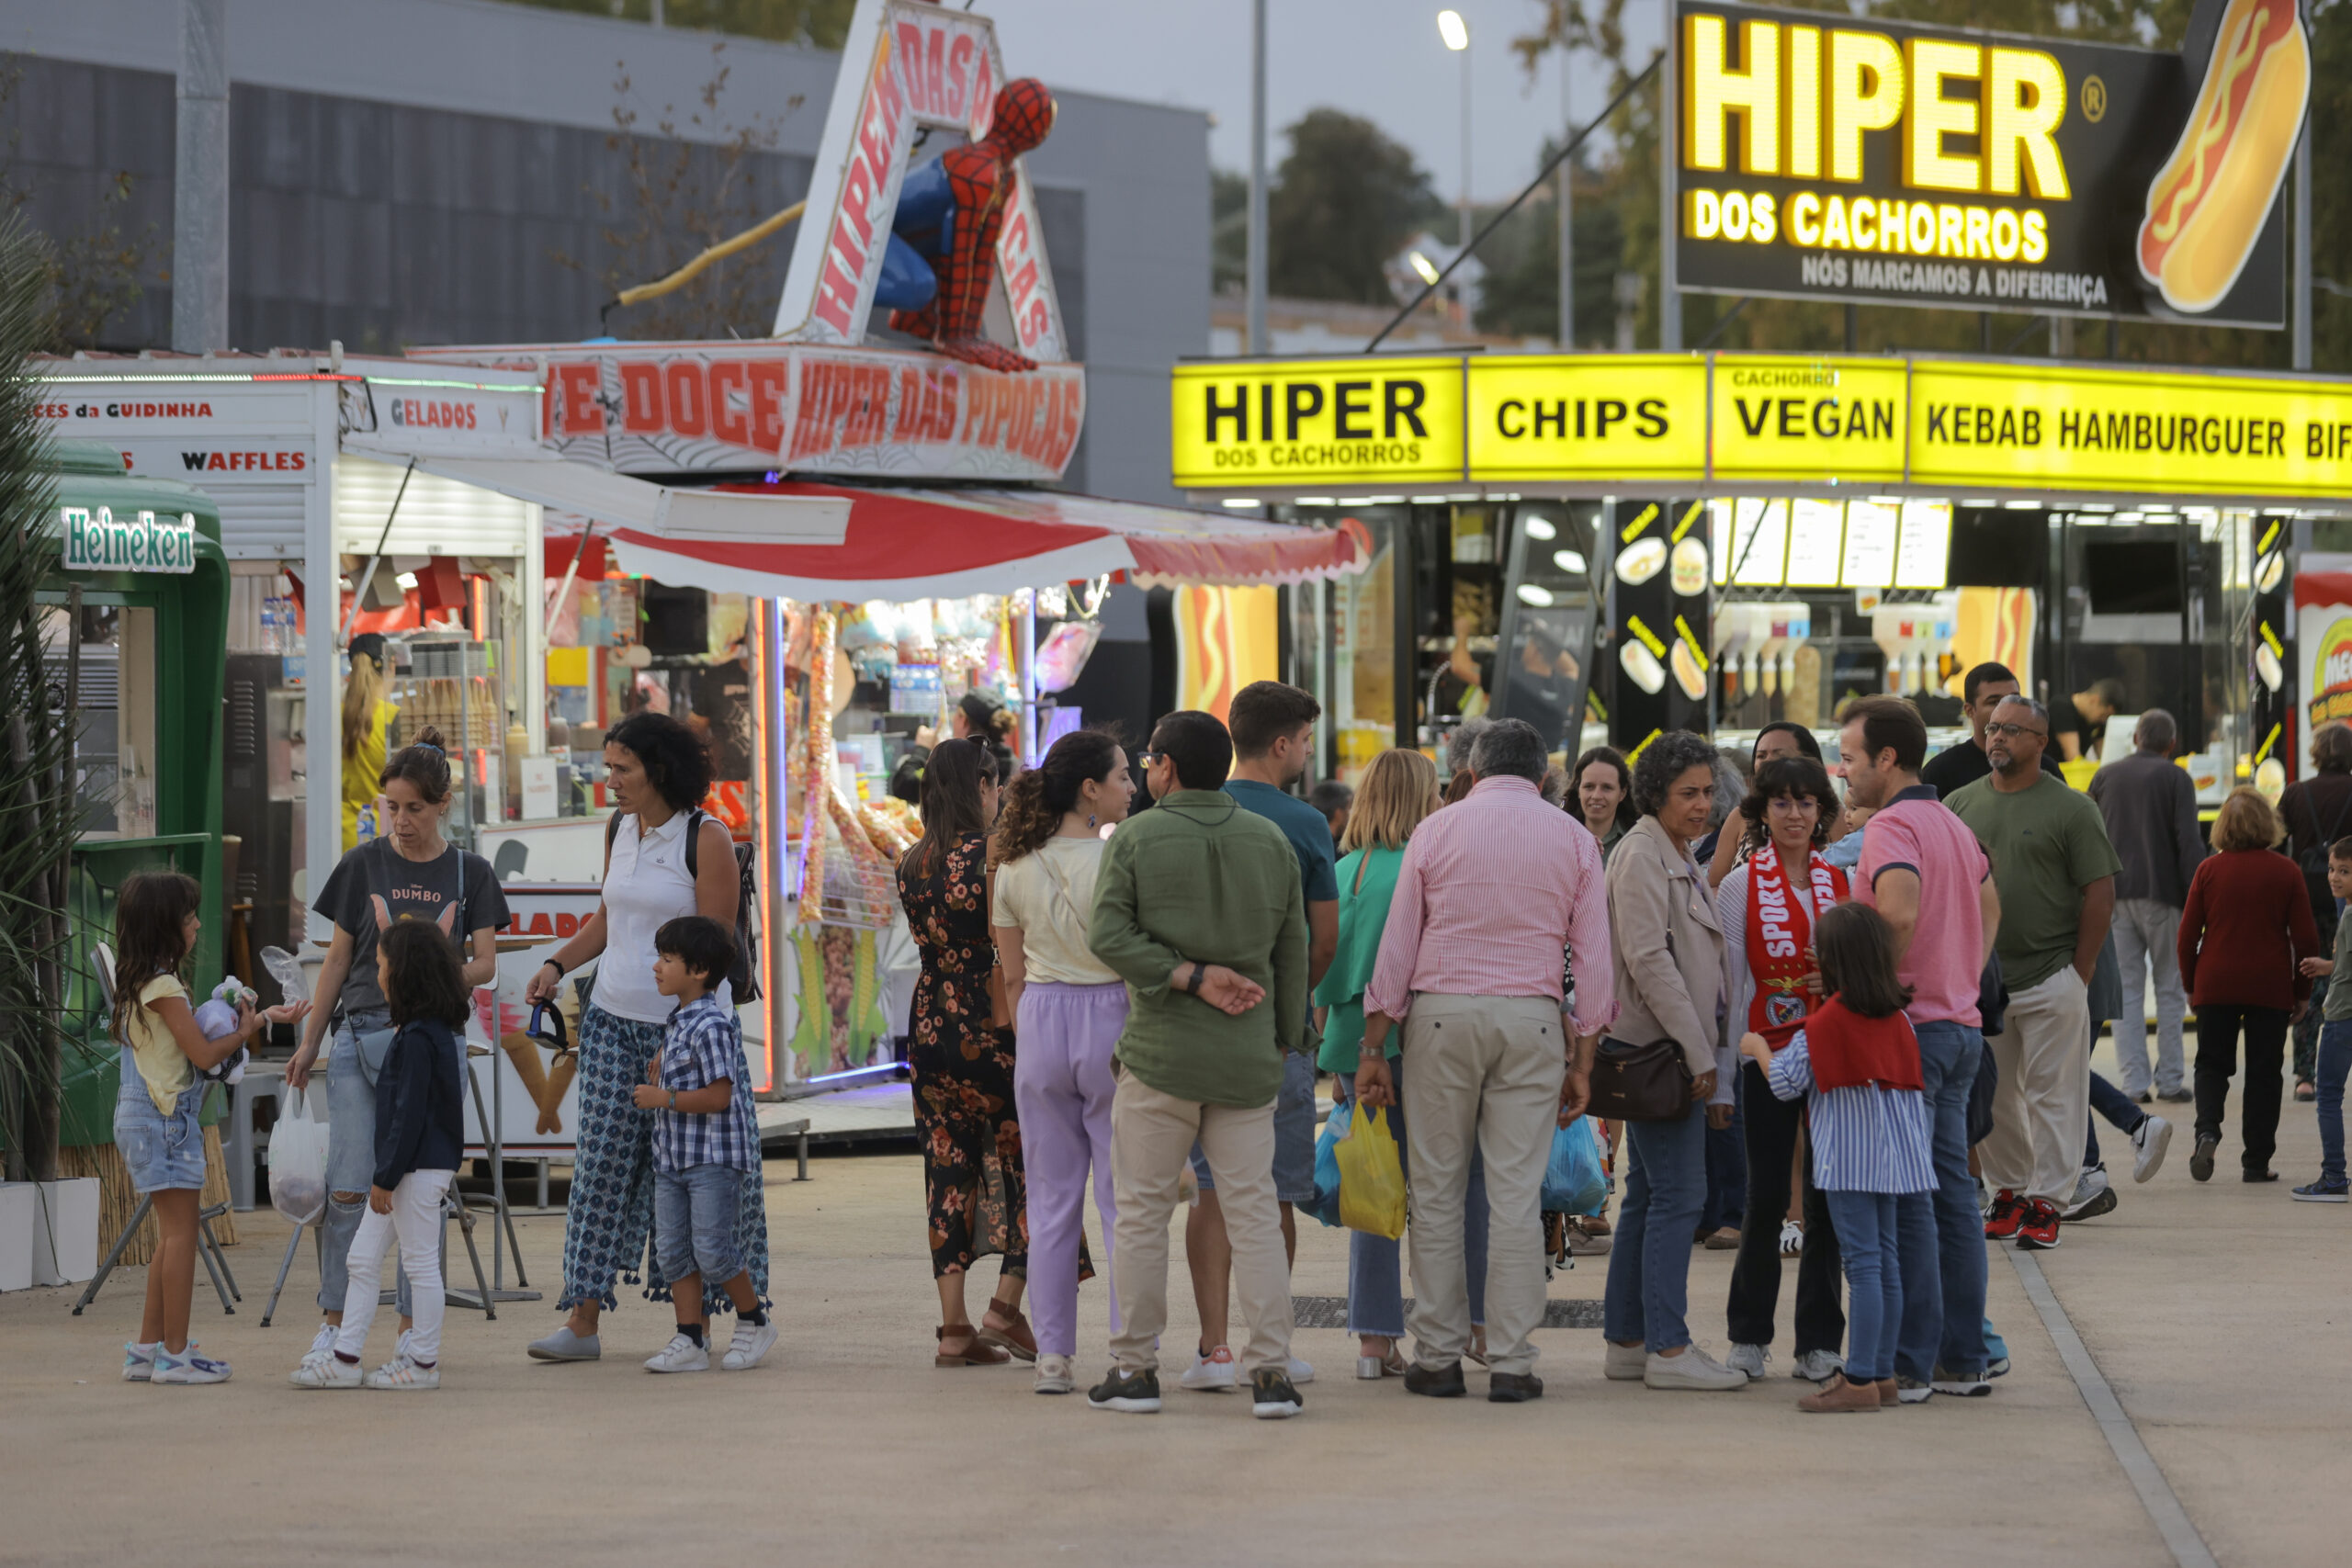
(101, 541)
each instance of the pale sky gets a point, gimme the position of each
(1379, 58)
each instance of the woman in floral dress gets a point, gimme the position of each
(962, 1063)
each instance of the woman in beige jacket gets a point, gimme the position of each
(1669, 976)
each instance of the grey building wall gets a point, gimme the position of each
(406, 172)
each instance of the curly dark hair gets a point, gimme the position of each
(676, 757)
(1035, 800)
(424, 764)
(423, 977)
(1664, 760)
(1787, 775)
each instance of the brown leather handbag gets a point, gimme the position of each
(1640, 1083)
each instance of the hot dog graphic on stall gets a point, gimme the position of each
(2207, 204)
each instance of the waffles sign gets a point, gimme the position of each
(2331, 677)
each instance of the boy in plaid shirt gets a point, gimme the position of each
(706, 1146)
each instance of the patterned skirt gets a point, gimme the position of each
(610, 1218)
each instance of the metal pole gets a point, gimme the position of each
(1669, 297)
(200, 181)
(1466, 149)
(2302, 335)
(1254, 266)
(1567, 218)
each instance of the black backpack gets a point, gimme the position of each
(743, 978)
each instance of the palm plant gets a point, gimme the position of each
(38, 825)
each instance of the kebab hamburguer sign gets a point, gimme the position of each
(1828, 157)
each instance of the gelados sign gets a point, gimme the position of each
(1823, 156)
(1608, 422)
(102, 540)
(668, 407)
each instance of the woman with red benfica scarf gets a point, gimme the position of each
(1767, 908)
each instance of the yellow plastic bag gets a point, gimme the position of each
(1372, 1179)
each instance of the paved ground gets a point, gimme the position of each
(2218, 1313)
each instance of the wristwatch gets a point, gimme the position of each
(1193, 986)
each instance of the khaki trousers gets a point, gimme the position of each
(2043, 1101)
(1489, 1069)
(1151, 1138)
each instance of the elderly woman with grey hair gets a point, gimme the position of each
(1669, 952)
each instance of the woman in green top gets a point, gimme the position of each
(1398, 790)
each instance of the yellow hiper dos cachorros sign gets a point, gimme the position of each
(1309, 422)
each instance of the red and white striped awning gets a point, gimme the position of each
(947, 543)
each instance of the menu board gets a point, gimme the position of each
(1869, 545)
(1923, 550)
(1759, 543)
(1817, 534)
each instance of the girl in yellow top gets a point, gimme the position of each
(367, 729)
(155, 1111)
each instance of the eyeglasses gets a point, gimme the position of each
(1151, 759)
(2011, 731)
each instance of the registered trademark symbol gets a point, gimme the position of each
(2093, 99)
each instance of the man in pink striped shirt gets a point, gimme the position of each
(1492, 892)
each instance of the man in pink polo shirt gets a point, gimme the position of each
(1924, 872)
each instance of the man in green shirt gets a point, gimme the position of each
(1198, 909)
(2054, 871)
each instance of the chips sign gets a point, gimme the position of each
(142, 541)
(1609, 423)
(1822, 156)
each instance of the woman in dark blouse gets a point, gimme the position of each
(962, 1061)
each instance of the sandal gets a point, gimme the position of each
(1015, 1339)
(975, 1353)
(2304, 1091)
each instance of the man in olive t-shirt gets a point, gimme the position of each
(2054, 871)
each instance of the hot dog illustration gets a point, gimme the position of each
(2207, 205)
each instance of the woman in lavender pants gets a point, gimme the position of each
(1068, 1010)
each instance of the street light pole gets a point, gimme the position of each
(1568, 217)
(1456, 34)
(1253, 271)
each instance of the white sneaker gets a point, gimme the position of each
(2093, 1197)
(1300, 1372)
(1211, 1374)
(188, 1367)
(399, 1372)
(1748, 1359)
(1819, 1366)
(1792, 1237)
(325, 1368)
(1624, 1362)
(1054, 1375)
(681, 1355)
(2149, 1141)
(323, 1339)
(1692, 1370)
(752, 1341)
(138, 1360)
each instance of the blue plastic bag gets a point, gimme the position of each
(1573, 1179)
(1325, 1206)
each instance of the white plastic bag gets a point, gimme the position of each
(298, 1162)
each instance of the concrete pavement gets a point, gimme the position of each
(2216, 1312)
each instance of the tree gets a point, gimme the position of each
(1228, 229)
(36, 819)
(1346, 197)
(821, 24)
(94, 273)
(682, 189)
(1521, 298)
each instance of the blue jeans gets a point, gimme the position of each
(1649, 1264)
(1953, 1338)
(1868, 1243)
(695, 1212)
(1293, 1136)
(1376, 1264)
(351, 1163)
(1727, 1202)
(2335, 1060)
(2122, 1112)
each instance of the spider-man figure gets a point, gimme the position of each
(942, 255)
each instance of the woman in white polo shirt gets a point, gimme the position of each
(657, 772)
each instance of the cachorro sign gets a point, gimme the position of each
(144, 541)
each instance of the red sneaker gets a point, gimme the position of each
(2038, 1231)
(2007, 1214)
